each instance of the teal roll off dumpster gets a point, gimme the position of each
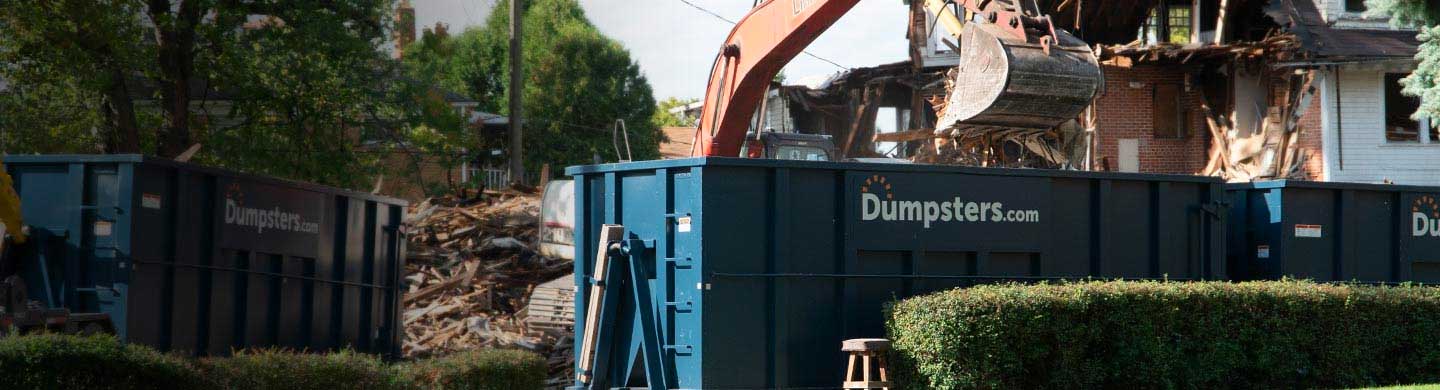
(1329, 231)
(200, 260)
(751, 272)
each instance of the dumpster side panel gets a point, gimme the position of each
(1337, 231)
(152, 293)
(806, 240)
(200, 260)
(50, 201)
(1419, 234)
(1309, 232)
(1074, 225)
(1369, 253)
(777, 262)
(737, 241)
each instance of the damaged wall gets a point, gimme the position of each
(1126, 111)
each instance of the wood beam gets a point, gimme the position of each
(1220, 23)
(905, 136)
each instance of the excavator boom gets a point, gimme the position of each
(767, 38)
(1016, 70)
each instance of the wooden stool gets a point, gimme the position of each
(866, 349)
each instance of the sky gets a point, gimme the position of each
(675, 43)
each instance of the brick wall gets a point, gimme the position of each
(1125, 112)
(1310, 141)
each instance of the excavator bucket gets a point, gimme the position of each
(1007, 81)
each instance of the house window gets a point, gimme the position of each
(1173, 27)
(1168, 116)
(1399, 128)
(1179, 18)
(1354, 5)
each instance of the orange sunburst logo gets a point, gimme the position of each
(1425, 205)
(878, 183)
(234, 193)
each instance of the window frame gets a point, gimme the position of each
(1354, 6)
(1181, 128)
(1424, 130)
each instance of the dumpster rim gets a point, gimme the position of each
(1327, 185)
(221, 172)
(577, 170)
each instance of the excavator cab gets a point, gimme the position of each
(789, 146)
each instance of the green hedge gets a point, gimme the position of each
(102, 362)
(1285, 334)
(480, 370)
(90, 362)
(279, 369)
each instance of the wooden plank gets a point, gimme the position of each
(864, 116)
(866, 384)
(1220, 23)
(597, 295)
(431, 290)
(904, 136)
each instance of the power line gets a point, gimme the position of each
(468, 18)
(732, 22)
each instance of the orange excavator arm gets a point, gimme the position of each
(762, 42)
(776, 31)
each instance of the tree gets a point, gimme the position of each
(577, 82)
(1424, 82)
(74, 56)
(664, 118)
(307, 81)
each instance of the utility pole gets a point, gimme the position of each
(517, 154)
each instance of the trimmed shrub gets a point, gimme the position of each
(49, 361)
(484, 369)
(1278, 334)
(281, 369)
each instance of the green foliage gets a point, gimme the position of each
(49, 118)
(279, 369)
(1424, 15)
(50, 361)
(89, 362)
(57, 60)
(664, 118)
(481, 370)
(577, 82)
(1423, 81)
(304, 87)
(1411, 13)
(306, 84)
(1279, 334)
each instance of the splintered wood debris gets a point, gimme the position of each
(471, 269)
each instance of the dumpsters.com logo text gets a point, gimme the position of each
(261, 219)
(877, 201)
(1425, 217)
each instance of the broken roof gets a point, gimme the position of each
(1323, 40)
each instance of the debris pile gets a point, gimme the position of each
(471, 269)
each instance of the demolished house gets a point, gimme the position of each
(1240, 89)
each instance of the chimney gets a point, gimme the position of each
(404, 27)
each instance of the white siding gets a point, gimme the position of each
(1334, 12)
(1361, 154)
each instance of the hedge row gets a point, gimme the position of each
(1278, 334)
(95, 362)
